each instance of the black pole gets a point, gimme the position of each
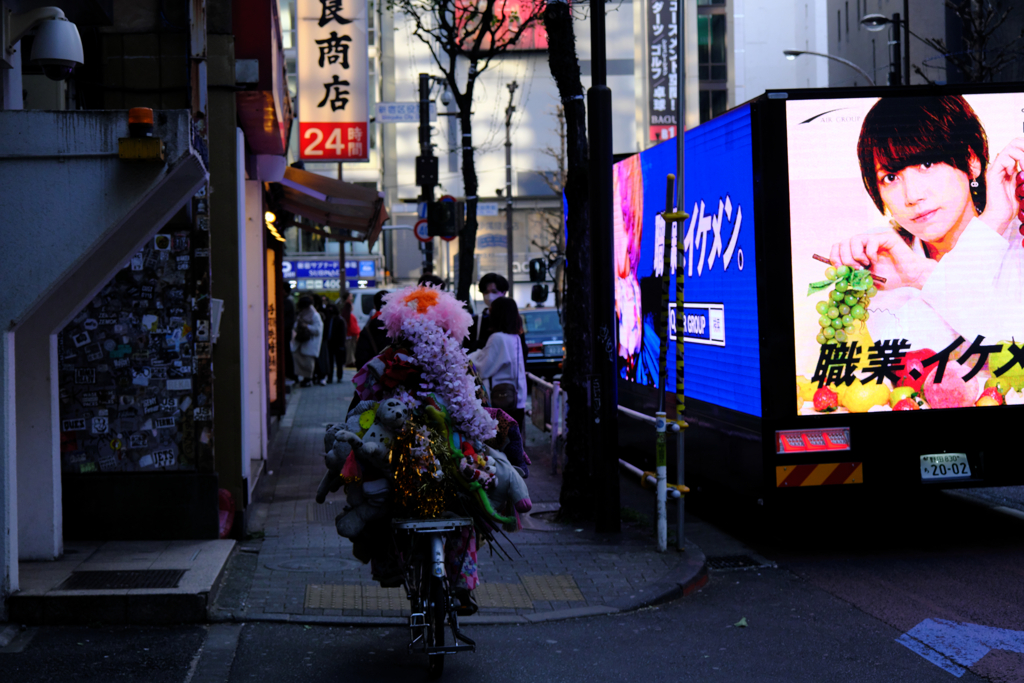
(426, 167)
(603, 402)
(896, 70)
(906, 42)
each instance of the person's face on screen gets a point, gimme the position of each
(930, 200)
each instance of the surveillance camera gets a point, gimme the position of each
(57, 48)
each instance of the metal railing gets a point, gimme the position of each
(556, 425)
(663, 489)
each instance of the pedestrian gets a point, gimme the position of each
(334, 335)
(373, 338)
(501, 362)
(352, 335)
(306, 338)
(433, 281)
(492, 287)
(323, 361)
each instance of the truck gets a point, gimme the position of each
(853, 304)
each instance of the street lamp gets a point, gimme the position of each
(793, 54)
(877, 22)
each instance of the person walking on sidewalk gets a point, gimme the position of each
(373, 338)
(334, 335)
(352, 335)
(323, 361)
(492, 287)
(501, 362)
(306, 338)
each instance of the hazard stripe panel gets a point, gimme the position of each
(824, 474)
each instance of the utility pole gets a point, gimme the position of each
(426, 167)
(603, 400)
(895, 75)
(508, 181)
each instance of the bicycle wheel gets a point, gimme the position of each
(436, 613)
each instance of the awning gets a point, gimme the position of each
(333, 203)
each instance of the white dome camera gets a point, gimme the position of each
(57, 46)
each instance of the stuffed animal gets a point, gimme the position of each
(367, 499)
(509, 487)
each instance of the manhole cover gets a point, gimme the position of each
(732, 562)
(314, 564)
(119, 580)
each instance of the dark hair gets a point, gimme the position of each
(505, 316)
(907, 131)
(497, 280)
(305, 302)
(331, 310)
(378, 299)
(431, 279)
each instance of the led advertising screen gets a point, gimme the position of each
(908, 268)
(719, 320)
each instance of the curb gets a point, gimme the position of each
(696, 577)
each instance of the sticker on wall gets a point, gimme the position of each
(73, 425)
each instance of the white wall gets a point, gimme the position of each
(761, 30)
(74, 213)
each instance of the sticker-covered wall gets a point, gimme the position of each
(134, 393)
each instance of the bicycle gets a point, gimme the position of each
(429, 591)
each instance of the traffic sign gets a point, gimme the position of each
(421, 231)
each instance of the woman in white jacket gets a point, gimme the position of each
(501, 363)
(305, 349)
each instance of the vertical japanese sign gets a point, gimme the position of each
(272, 337)
(333, 45)
(663, 67)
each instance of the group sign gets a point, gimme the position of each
(333, 65)
(908, 267)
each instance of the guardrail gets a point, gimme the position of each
(550, 415)
(663, 489)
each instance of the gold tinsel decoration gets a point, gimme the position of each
(419, 491)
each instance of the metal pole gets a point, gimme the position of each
(508, 182)
(680, 183)
(896, 72)
(426, 166)
(603, 394)
(906, 41)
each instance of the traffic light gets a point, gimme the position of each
(442, 219)
(538, 270)
(539, 294)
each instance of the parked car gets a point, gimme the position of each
(545, 341)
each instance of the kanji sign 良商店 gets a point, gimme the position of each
(333, 83)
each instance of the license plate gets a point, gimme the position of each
(944, 466)
(553, 351)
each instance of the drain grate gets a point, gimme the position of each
(317, 513)
(512, 595)
(560, 587)
(119, 580)
(732, 562)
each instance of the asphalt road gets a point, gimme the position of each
(834, 592)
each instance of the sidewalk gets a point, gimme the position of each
(302, 571)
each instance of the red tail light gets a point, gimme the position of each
(811, 440)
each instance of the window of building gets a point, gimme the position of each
(712, 64)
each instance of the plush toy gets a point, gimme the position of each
(367, 499)
(509, 490)
(338, 449)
